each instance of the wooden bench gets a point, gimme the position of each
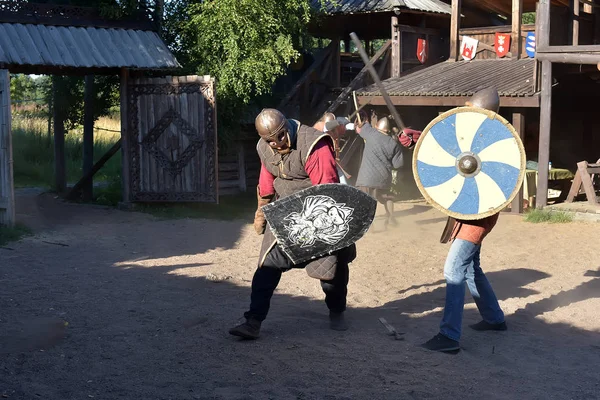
(584, 177)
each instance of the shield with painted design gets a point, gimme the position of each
(469, 163)
(320, 220)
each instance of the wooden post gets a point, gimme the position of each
(518, 121)
(454, 30)
(241, 167)
(543, 24)
(60, 172)
(7, 193)
(575, 7)
(544, 145)
(336, 64)
(395, 48)
(88, 137)
(517, 16)
(125, 165)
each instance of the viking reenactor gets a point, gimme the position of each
(463, 261)
(382, 153)
(293, 157)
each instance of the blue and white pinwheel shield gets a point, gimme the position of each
(469, 163)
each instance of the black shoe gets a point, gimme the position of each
(337, 322)
(486, 326)
(248, 330)
(441, 343)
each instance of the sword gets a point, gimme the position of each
(371, 69)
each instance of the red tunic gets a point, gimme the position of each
(320, 167)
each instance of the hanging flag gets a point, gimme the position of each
(502, 44)
(468, 48)
(422, 50)
(530, 44)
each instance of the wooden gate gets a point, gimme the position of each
(172, 146)
(7, 196)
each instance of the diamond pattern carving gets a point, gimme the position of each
(151, 142)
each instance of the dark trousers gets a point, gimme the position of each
(266, 279)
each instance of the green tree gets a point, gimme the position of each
(245, 44)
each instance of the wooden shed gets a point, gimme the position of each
(168, 125)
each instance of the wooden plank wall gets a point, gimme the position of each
(7, 196)
(239, 169)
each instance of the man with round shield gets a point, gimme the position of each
(463, 265)
(293, 157)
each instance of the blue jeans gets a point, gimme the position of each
(462, 265)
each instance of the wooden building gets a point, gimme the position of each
(168, 125)
(327, 83)
(523, 81)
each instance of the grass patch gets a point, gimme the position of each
(33, 152)
(12, 234)
(537, 216)
(241, 206)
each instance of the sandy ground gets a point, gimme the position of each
(148, 304)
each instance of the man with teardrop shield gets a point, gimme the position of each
(463, 265)
(293, 157)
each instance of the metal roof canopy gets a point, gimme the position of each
(44, 49)
(451, 83)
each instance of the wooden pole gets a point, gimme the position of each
(518, 121)
(544, 144)
(543, 24)
(395, 48)
(454, 30)
(88, 137)
(60, 172)
(125, 164)
(241, 168)
(575, 21)
(517, 16)
(7, 191)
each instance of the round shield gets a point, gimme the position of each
(469, 163)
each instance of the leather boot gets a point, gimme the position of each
(247, 330)
(337, 321)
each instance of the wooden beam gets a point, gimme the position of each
(358, 78)
(125, 162)
(88, 137)
(487, 30)
(586, 182)
(575, 21)
(569, 58)
(95, 168)
(454, 30)
(7, 201)
(446, 101)
(544, 137)
(396, 55)
(517, 15)
(588, 48)
(518, 121)
(543, 24)
(60, 171)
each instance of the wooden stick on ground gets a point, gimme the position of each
(391, 330)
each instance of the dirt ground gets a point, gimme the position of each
(148, 302)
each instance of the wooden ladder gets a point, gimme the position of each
(584, 177)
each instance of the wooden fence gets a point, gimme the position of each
(239, 169)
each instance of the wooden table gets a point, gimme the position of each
(559, 178)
